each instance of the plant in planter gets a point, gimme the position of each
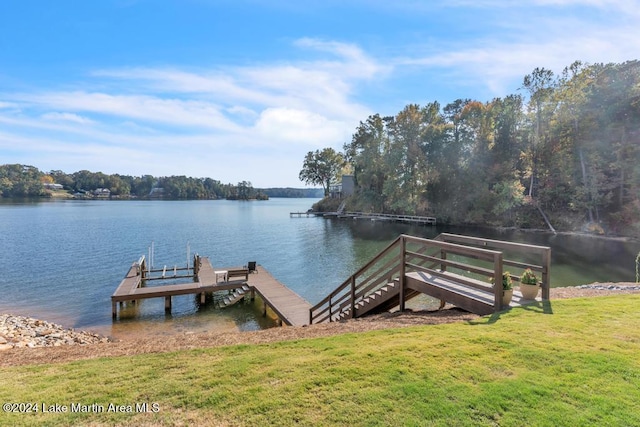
(507, 288)
(529, 284)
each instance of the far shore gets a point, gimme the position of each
(63, 194)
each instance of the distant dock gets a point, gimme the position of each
(290, 308)
(410, 219)
(307, 214)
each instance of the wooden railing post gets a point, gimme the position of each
(330, 317)
(497, 281)
(546, 274)
(443, 256)
(353, 297)
(403, 249)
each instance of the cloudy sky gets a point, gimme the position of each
(243, 89)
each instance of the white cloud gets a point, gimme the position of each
(68, 117)
(287, 125)
(356, 63)
(148, 108)
(196, 117)
(8, 105)
(321, 85)
(530, 37)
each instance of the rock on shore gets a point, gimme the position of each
(610, 287)
(19, 331)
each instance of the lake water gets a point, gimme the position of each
(62, 260)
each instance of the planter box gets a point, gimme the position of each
(529, 291)
(506, 297)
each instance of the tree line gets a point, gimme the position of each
(18, 180)
(563, 154)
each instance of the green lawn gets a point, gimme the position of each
(576, 366)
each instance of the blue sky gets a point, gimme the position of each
(242, 90)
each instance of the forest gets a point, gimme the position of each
(563, 154)
(18, 180)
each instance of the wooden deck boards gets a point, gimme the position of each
(292, 309)
(130, 282)
(475, 300)
(130, 288)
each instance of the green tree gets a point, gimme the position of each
(407, 162)
(321, 168)
(366, 153)
(540, 85)
(21, 181)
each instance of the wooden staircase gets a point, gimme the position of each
(452, 268)
(236, 295)
(384, 299)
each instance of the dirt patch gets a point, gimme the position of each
(23, 356)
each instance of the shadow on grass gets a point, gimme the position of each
(542, 307)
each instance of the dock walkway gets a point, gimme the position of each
(288, 306)
(410, 219)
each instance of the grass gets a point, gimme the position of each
(578, 365)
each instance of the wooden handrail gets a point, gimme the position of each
(417, 254)
(489, 243)
(544, 252)
(348, 284)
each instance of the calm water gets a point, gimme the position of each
(62, 260)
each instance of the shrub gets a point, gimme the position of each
(529, 277)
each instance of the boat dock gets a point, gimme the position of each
(301, 214)
(410, 219)
(452, 268)
(290, 308)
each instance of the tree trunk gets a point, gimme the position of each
(586, 184)
(546, 219)
(621, 161)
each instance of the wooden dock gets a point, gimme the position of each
(301, 214)
(410, 219)
(290, 308)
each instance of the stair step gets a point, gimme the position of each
(235, 296)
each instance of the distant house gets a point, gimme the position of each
(344, 189)
(102, 193)
(348, 185)
(156, 193)
(49, 186)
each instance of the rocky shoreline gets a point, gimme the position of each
(609, 287)
(20, 331)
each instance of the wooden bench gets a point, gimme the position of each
(238, 272)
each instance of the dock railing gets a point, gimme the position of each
(473, 268)
(537, 258)
(405, 254)
(471, 262)
(393, 217)
(382, 269)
